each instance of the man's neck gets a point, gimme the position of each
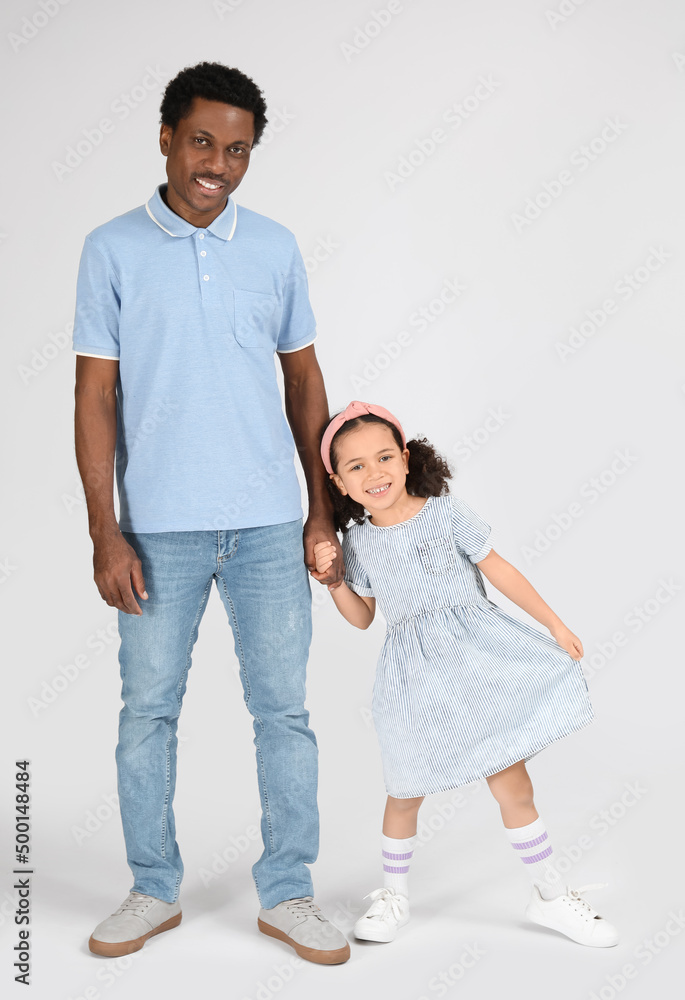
(195, 219)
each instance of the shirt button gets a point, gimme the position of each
(203, 253)
(200, 236)
(206, 277)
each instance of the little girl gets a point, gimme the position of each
(463, 690)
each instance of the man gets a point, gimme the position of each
(181, 305)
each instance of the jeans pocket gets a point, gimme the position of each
(437, 555)
(255, 319)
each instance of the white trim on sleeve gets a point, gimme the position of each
(105, 357)
(295, 349)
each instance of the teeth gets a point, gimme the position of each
(380, 489)
(207, 184)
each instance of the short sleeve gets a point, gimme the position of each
(355, 574)
(471, 533)
(298, 326)
(98, 301)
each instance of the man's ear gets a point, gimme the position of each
(338, 482)
(165, 134)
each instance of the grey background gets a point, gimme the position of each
(344, 119)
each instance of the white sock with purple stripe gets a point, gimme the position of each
(397, 855)
(533, 846)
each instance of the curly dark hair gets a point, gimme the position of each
(427, 477)
(214, 82)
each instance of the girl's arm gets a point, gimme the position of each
(513, 584)
(356, 609)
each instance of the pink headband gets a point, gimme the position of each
(354, 410)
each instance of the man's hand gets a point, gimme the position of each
(316, 530)
(116, 567)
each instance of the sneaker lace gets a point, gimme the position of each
(136, 901)
(305, 906)
(384, 900)
(576, 894)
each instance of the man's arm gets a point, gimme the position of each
(95, 424)
(306, 408)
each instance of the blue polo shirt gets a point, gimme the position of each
(194, 317)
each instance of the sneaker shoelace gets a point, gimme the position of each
(384, 901)
(306, 907)
(582, 904)
(137, 902)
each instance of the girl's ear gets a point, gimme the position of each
(405, 457)
(338, 482)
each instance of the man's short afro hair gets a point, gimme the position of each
(214, 82)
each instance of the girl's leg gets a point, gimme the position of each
(398, 841)
(389, 909)
(513, 791)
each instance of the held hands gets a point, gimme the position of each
(324, 556)
(567, 640)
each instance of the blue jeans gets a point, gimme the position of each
(264, 585)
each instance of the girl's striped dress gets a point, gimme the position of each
(462, 689)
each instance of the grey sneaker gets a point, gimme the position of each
(138, 918)
(302, 925)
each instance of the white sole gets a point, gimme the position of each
(534, 915)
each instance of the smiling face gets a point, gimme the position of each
(371, 468)
(207, 155)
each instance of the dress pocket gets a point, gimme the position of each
(437, 555)
(255, 319)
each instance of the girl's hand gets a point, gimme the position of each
(324, 554)
(568, 641)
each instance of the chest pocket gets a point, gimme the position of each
(256, 319)
(437, 555)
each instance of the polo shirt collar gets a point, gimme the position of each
(160, 213)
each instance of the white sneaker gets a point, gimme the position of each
(573, 916)
(138, 918)
(388, 912)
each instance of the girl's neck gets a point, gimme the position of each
(403, 508)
